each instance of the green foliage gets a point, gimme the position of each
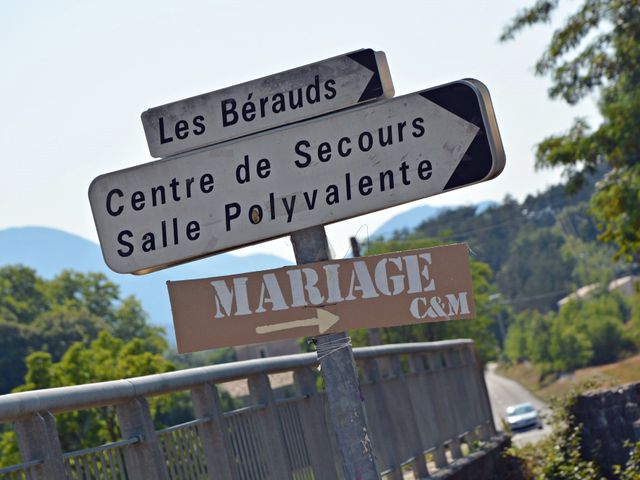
(92, 292)
(75, 329)
(9, 453)
(607, 315)
(39, 372)
(586, 332)
(15, 342)
(129, 321)
(62, 326)
(486, 233)
(538, 328)
(538, 340)
(529, 338)
(21, 294)
(597, 50)
(615, 206)
(378, 247)
(558, 457)
(633, 326)
(591, 261)
(106, 358)
(533, 265)
(602, 320)
(541, 249)
(52, 315)
(569, 348)
(515, 345)
(631, 470)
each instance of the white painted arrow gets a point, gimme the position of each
(324, 320)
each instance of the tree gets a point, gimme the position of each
(583, 332)
(597, 50)
(515, 345)
(538, 338)
(106, 358)
(71, 330)
(633, 326)
(15, 341)
(51, 315)
(92, 291)
(569, 347)
(21, 294)
(487, 232)
(529, 337)
(534, 275)
(62, 326)
(591, 263)
(602, 319)
(129, 321)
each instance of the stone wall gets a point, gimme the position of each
(609, 418)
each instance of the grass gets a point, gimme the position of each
(547, 387)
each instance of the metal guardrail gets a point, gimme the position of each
(423, 398)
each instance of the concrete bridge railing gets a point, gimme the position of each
(426, 405)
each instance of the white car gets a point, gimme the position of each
(523, 415)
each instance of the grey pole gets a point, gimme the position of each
(345, 402)
(374, 333)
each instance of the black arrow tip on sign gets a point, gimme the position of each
(461, 100)
(367, 58)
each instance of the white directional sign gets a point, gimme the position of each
(276, 100)
(313, 173)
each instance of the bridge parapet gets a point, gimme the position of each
(426, 405)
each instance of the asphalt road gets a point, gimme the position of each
(504, 392)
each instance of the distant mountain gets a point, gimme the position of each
(412, 218)
(50, 251)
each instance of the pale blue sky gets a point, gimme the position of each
(76, 75)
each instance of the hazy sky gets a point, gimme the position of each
(76, 76)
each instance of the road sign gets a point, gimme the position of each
(313, 173)
(276, 100)
(400, 288)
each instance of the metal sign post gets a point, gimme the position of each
(348, 419)
(374, 333)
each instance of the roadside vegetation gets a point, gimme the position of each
(594, 331)
(76, 329)
(594, 52)
(558, 457)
